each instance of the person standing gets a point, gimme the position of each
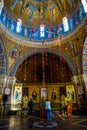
(30, 107)
(48, 110)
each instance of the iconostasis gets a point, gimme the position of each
(54, 92)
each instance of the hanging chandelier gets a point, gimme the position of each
(42, 29)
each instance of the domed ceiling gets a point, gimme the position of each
(35, 12)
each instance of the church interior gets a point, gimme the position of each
(43, 53)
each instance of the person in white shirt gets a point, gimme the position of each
(48, 110)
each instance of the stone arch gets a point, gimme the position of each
(19, 61)
(3, 58)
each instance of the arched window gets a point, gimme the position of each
(84, 2)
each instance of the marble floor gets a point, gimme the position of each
(21, 122)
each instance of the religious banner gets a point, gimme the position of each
(34, 93)
(17, 93)
(70, 92)
(54, 94)
(25, 97)
(0, 98)
(43, 93)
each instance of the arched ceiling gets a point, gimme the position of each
(31, 71)
(35, 12)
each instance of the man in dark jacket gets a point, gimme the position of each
(30, 107)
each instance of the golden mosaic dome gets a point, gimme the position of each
(34, 12)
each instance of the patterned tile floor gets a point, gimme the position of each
(21, 122)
